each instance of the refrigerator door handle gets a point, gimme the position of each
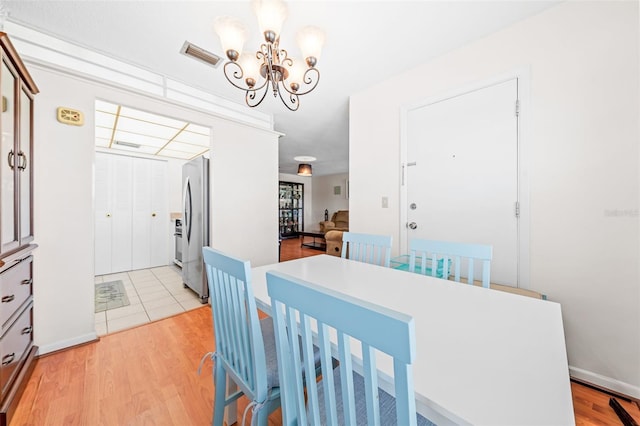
(187, 209)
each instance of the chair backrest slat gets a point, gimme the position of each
(441, 254)
(368, 248)
(238, 338)
(318, 313)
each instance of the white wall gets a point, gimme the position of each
(63, 199)
(581, 142)
(309, 224)
(324, 197)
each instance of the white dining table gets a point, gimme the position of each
(484, 357)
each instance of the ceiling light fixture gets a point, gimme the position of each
(270, 65)
(304, 169)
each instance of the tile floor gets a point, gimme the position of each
(154, 294)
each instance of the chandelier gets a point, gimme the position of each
(270, 67)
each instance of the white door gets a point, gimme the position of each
(121, 199)
(462, 173)
(113, 222)
(160, 222)
(132, 219)
(141, 232)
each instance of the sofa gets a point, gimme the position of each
(339, 221)
(333, 230)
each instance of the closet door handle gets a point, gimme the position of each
(7, 359)
(23, 165)
(11, 159)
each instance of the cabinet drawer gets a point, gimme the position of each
(14, 345)
(15, 289)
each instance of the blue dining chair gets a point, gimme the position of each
(433, 256)
(368, 248)
(244, 345)
(342, 396)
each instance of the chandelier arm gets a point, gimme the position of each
(293, 103)
(250, 95)
(307, 80)
(283, 55)
(236, 74)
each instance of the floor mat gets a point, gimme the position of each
(110, 295)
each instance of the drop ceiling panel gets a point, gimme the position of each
(151, 118)
(146, 128)
(184, 147)
(149, 150)
(140, 139)
(198, 129)
(155, 134)
(106, 107)
(176, 154)
(104, 132)
(104, 119)
(197, 139)
(101, 142)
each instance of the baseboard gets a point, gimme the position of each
(64, 344)
(605, 382)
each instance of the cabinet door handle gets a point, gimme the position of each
(22, 166)
(7, 299)
(11, 159)
(27, 330)
(153, 215)
(7, 359)
(27, 282)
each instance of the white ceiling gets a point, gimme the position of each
(366, 42)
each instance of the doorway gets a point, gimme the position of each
(139, 191)
(461, 173)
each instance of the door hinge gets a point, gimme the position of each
(517, 209)
(517, 107)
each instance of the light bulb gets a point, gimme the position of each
(250, 67)
(232, 34)
(271, 15)
(310, 40)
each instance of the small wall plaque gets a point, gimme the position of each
(70, 116)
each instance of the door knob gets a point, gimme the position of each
(412, 225)
(108, 214)
(153, 215)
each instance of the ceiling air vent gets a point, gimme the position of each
(129, 144)
(200, 54)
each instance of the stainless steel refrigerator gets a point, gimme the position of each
(195, 224)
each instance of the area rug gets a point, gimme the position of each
(110, 295)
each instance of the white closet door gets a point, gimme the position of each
(132, 228)
(141, 232)
(161, 230)
(103, 214)
(150, 213)
(121, 196)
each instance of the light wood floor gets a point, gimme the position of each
(148, 376)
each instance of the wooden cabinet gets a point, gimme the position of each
(17, 351)
(291, 209)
